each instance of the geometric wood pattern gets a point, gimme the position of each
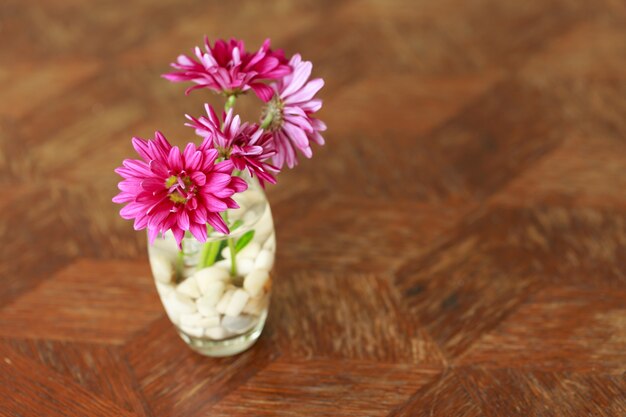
(325, 387)
(457, 248)
(101, 302)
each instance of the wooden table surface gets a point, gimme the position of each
(458, 248)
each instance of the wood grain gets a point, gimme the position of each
(324, 387)
(458, 247)
(31, 389)
(544, 393)
(102, 370)
(104, 302)
(446, 396)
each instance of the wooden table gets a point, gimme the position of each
(457, 249)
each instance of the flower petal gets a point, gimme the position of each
(296, 134)
(198, 178)
(217, 180)
(141, 146)
(300, 75)
(152, 235)
(175, 159)
(263, 91)
(213, 204)
(183, 220)
(306, 93)
(217, 222)
(178, 235)
(198, 231)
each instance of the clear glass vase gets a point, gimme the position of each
(219, 304)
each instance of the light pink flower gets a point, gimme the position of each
(228, 68)
(246, 145)
(172, 190)
(291, 110)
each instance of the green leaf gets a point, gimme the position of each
(236, 225)
(243, 241)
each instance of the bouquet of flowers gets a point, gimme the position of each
(205, 198)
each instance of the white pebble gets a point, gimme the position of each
(208, 322)
(255, 280)
(251, 250)
(206, 309)
(198, 320)
(239, 324)
(189, 287)
(226, 253)
(193, 331)
(237, 303)
(265, 260)
(212, 294)
(244, 265)
(176, 304)
(223, 264)
(217, 333)
(190, 319)
(256, 306)
(223, 303)
(181, 303)
(205, 277)
(162, 269)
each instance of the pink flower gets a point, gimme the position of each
(227, 68)
(247, 146)
(172, 190)
(290, 113)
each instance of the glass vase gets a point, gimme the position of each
(219, 304)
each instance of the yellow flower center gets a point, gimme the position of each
(180, 187)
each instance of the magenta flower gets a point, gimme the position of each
(172, 190)
(227, 68)
(289, 114)
(246, 145)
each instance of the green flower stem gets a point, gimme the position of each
(231, 248)
(233, 255)
(266, 121)
(230, 102)
(204, 255)
(180, 266)
(210, 251)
